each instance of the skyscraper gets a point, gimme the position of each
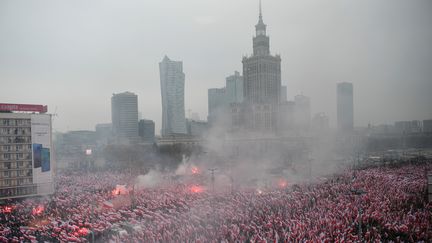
(124, 114)
(172, 81)
(302, 112)
(262, 84)
(345, 107)
(283, 95)
(217, 104)
(262, 71)
(234, 88)
(146, 130)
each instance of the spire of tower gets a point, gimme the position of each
(260, 10)
(260, 27)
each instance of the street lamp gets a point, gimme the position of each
(212, 177)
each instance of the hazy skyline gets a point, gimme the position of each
(74, 55)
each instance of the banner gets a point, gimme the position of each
(41, 146)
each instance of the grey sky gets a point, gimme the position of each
(74, 54)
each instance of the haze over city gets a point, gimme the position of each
(215, 121)
(72, 56)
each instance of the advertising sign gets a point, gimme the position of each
(41, 146)
(23, 107)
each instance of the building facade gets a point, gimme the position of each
(345, 107)
(26, 161)
(234, 88)
(124, 114)
(146, 130)
(196, 128)
(283, 95)
(320, 122)
(302, 112)
(261, 85)
(262, 71)
(406, 127)
(104, 133)
(427, 126)
(172, 80)
(217, 104)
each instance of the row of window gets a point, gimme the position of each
(17, 156)
(15, 165)
(16, 173)
(15, 122)
(17, 191)
(16, 148)
(15, 131)
(12, 139)
(15, 182)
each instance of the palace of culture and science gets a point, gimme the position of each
(259, 112)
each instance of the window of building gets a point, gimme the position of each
(7, 165)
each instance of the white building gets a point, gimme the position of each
(172, 81)
(26, 160)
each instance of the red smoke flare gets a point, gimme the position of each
(7, 209)
(38, 210)
(195, 170)
(282, 183)
(196, 189)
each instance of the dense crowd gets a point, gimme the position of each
(373, 204)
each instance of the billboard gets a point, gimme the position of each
(41, 153)
(23, 107)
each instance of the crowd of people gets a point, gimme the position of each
(373, 204)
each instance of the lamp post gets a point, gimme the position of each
(92, 233)
(212, 177)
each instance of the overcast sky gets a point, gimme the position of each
(72, 55)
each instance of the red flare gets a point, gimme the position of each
(282, 183)
(83, 231)
(38, 210)
(196, 189)
(7, 209)
(195, 170)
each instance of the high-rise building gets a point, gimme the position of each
(345, 107)
(320, 122)
(146, 130)
(302, 112)
(407, 127)
(26, 158)
(262, 84)
(427, 126)
(103, 133)
(234, 88)
(217, 104)
(172, 81)
(196, 128)
(124, 114)
(262, 71)
(283, 95)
